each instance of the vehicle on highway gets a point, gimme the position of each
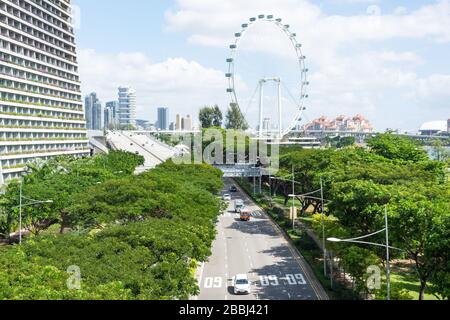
(226, 197)
(245, 215)
(233, 189)
(241, 284)
(239, 205)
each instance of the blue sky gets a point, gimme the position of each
(387, 60)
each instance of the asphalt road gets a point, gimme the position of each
(258, 249)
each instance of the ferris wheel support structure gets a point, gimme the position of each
(262, 82)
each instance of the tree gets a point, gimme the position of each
(439, 151)
(235, 119)
(419, 220)
(210, 117)
(396, 147)
(155, 226)
(356, 260)
(346, 142)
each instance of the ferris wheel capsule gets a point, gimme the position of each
(278, 20)
(261, 16)
(270, 16)
(233, 46)
(230, 60)
(245, 25)
(252, 19)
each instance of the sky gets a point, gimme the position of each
(387, 60)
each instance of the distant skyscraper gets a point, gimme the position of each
(93, 112)
(172, 126)
(163, 118)
(111, 115)
(187, 126)
(127, 107)
(178, 123)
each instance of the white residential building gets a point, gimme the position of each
(127, 107)
(41, 109)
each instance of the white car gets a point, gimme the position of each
(241, 284)
(226, 197)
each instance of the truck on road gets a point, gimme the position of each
(239, 205)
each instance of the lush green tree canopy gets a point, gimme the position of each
(396, 147)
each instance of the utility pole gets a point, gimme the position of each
(323, 230)
(293, 198)
(388, 264)
(20, 213)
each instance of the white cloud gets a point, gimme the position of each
(182, 85)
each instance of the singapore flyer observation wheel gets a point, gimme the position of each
(301, 81)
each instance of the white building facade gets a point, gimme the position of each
(41, 108)
(127, 108)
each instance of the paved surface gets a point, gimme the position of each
(258, 249)
(154, 152)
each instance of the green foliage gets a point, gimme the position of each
(356, 260)
(138, 237)
(21, 279)
(341, 142)
(359, 183)
(395, 147)
(397, 292)
(235, 119)
(420, 224)
(210, 117)
(440, 153)
(59, 180)
(359, 205)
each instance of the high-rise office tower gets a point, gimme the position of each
(41, 108)
(110, 115)
(178, 123)
(163, 118)
(127, 107)
(187, 123)
(93, 112)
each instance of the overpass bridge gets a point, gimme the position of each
(244, 171)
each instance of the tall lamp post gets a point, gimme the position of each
(21, 205)
(386, 245)
(309, 196)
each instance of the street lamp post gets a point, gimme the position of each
(323, 230)
(386, 245)
(309, 196)
(21, 205)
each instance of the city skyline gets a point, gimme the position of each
(389, 65)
